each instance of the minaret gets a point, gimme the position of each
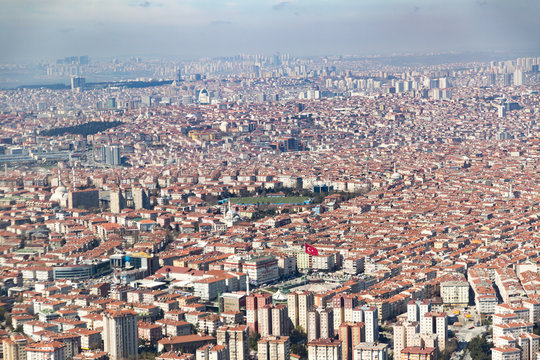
(511, 191)
(59, 178)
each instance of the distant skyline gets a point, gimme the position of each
(37, 29)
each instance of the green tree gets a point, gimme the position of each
(536, 329)
(253, 341)
(479, 348)
(298, 339)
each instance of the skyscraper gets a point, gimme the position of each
(77, 83)
(110, 154)
(518, 78)
(120, 336)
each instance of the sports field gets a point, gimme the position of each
(253, 200)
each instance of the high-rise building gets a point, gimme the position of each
(518, 78)
(253, 303)
(77, 83)
(350, 334)
(120, 335)
(292, 308)
(327, 323)
(110, 154)
(339, 311)
(441, 329)
(313, 327)
(140, 198)
(236, 340)
(274, 348)
(111, 103)
(15, 347)
(261, 269)
(265, 320)
(305, 303)
(117, 201)
(405, 334)
(280, 320)
(371, 319)
(327, 349)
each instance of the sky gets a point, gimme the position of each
(49, 29)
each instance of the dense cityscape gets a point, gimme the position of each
(271, 208)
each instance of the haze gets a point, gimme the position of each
(37, 29)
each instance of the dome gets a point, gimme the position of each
(59, 194)
(279, 296)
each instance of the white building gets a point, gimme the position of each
(120, 335)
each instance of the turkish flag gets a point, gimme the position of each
(311, 250)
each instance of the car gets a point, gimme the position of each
(472, 327)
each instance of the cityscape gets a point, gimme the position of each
(269, 205)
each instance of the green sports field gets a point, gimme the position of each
(253, 200)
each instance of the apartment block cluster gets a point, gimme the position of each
(134, 241)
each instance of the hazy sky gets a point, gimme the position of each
(45, 29)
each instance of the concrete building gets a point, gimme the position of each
(326, 328)
(14, 347)
(253, 303)
(419, 353)
(235, 338)
(85, 199)
(305, 304)
(292, 308)
(324, 349)
(280, 320)
(350, 334)
(371, 319)
(505, 353)
(120, 335)
(405, 334)
(46, 350)
(455, 292)
(313, 327)
(212, 352)
(261, 270)
(370, 351)
(140, 198)
(274, 348)
(353, 265)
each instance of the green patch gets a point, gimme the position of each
(263, 200)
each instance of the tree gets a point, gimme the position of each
(254, 340)
(479, 348)
(298, 340)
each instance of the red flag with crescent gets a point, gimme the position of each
(311, 250)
